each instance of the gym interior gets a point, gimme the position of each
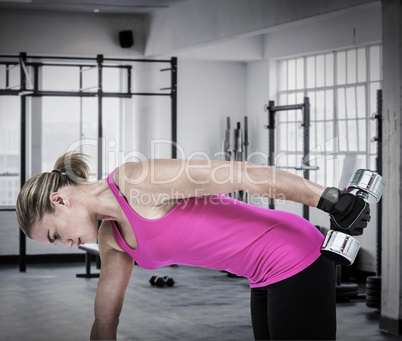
(312, 87)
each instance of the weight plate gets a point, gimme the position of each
(373, 292)
(373, 279)
(376, 286)
(347, 287)
(347, 293)
(373, 304)
(373, 298)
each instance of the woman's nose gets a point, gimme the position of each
(68, 243)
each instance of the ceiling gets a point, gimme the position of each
(90, 6)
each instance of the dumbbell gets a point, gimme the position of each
(341, 247)
(161, 281)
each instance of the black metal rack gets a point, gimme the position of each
(28, 88)
(378, 116)
(272, 110)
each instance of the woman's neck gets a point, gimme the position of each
(97, 198)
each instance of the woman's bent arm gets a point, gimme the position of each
(115, 275)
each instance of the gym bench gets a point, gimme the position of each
(90, 249)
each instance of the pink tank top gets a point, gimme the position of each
(221, 233)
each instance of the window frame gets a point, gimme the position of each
(330, 149)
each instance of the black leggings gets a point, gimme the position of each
(302, 307)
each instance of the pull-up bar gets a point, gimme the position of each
(32, 90)
(93, 59)
(272, 110)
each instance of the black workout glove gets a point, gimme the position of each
(348, 213)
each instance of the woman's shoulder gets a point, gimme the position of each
(138, 183)
(127, 175)
(127, 170)
(131, 172)
(133, 180)
(142, 176)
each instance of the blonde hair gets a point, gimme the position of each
(33, 201)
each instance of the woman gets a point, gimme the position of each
(161, 212)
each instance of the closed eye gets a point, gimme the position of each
(56, 236)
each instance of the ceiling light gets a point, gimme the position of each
(96, 10)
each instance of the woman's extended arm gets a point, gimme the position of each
(176, 179)
(115, 275)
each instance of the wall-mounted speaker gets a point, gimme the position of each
(126, 38)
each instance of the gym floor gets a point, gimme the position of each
(48, 302)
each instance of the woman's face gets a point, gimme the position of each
(68, 224)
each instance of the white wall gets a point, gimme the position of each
(200, 22)
(258, 86)
(68, 34)
(208, 93)
(357, 27)
(151, 114)
(236, 49)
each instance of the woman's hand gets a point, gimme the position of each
(348, 213)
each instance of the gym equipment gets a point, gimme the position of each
(239, 152)
(227, 151)
(90, 249)
(373, 292)
(373, 283)
(161, 281)
(378, 139)
(305, 164)
(31, 88)
(246, 143)
(345, 291)
(341, 247)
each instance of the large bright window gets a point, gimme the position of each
(9, 149)
(63, 115)
(56, 124)
(342, 89)
(65, 122)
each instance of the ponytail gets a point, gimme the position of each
(33, 201)
(73, 166)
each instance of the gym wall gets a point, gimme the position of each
(356, 28)
(210, 92)
(69, 34)
(235, 77)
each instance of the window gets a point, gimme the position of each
(342, 88)
(63, 113)
(56, 124)
(9, 149)
(66, 121)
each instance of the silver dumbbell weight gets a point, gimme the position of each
(339, 246)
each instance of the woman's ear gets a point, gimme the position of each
(57, 199)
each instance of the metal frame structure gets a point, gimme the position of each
(378, 116)
(320, 77)
(272, 110)
(28, 88)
